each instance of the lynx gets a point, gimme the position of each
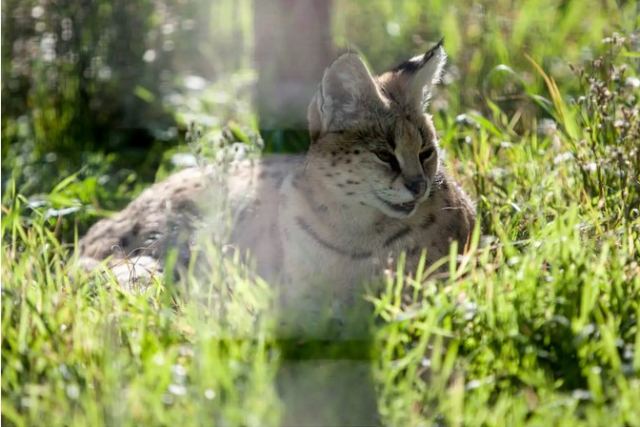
(372, 185)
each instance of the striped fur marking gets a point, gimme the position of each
(353, 255)
(396, 236)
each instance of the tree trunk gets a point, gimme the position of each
(292, 48)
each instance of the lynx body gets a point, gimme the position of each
(370, 187)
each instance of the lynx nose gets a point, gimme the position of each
(416, 186)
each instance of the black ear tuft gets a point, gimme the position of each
(414, 64)
(419, 74)
(432, 51)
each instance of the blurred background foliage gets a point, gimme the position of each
(106, 88)
(480, 35)
(84, 77)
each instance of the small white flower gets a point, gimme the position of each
(560, 158)
(547, 127)
(177, 389)
(393, 28)
(184, 160)
(179, 371)
(73, 391)
(194, 82)
(104, 73)
(632, 82)
(591, 167)
(149, 55)
(37, 12)
(168, 28)
(158, 359)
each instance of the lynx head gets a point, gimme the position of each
(371, 141)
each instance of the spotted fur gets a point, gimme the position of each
(371, 186)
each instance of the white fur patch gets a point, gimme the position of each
(345, 85)
(421, 83)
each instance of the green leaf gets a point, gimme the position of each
(144, 94)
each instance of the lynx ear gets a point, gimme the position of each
(420, 74)
(347, 92)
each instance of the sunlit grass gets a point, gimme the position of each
(78, 350)
(536, 325)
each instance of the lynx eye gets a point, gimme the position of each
(388, 158)
(427, 154)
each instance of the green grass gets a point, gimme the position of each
(482, 35)
(536, 325)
